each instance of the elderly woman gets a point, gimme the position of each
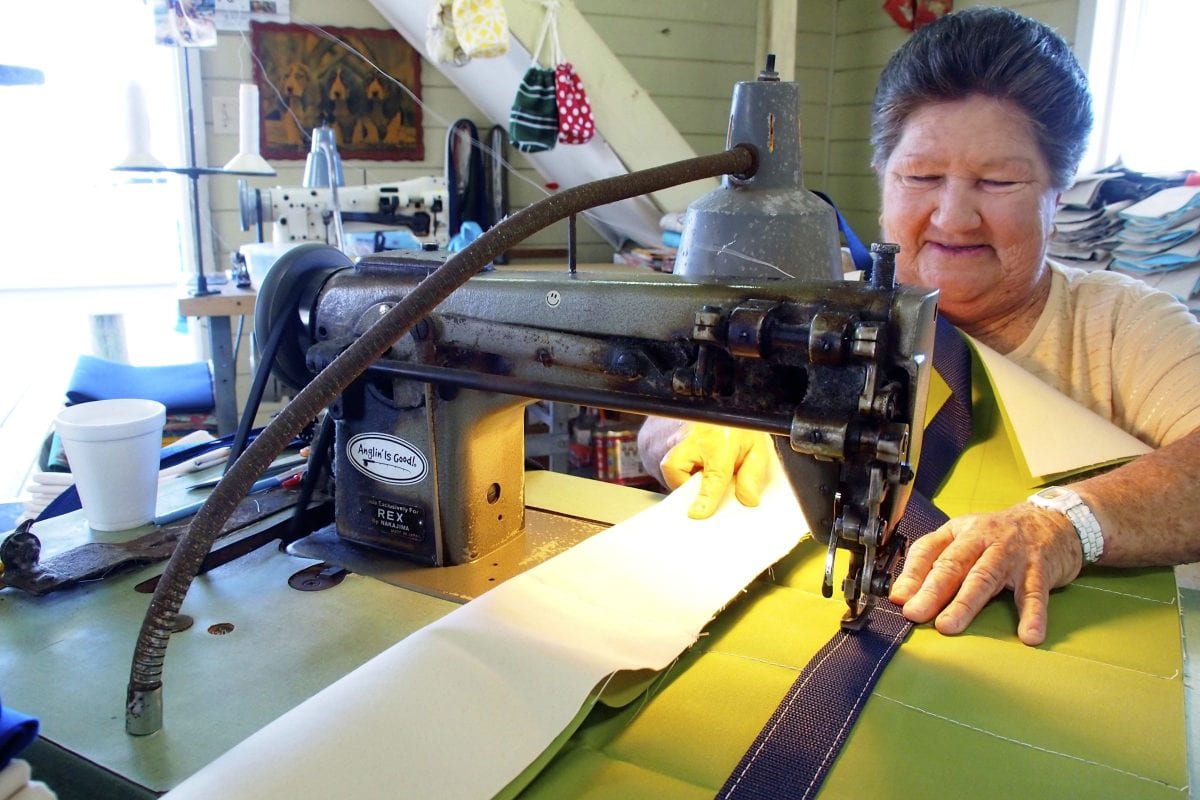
(979, 123)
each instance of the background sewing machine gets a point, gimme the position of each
(416, 207)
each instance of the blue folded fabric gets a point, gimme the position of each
(179, 387)
(17, 731)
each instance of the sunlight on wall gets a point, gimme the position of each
(1141, 68)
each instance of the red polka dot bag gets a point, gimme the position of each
(575, 123)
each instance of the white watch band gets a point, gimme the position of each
(1070, 504)
(1088, 528)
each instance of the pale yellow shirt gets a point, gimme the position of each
(1125, 350)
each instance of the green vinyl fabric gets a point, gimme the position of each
(1097, 711)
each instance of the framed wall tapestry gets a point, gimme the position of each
(305, 79)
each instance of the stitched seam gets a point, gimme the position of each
(837, 739)
(1057, 654)
(794, 693)
(1170, 602)
(743, 657)
(1029, 745)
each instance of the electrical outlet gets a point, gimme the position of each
(225, 115)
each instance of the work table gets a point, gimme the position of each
(257, 648)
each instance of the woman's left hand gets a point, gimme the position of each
(954, 571)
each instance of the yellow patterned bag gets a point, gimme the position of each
(482, 27)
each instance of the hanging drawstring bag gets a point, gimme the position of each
(481, 27)
(533, 121)
(441, 42)
(575, 122)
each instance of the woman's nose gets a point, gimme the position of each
(957, 207)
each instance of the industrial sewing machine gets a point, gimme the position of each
(755, 329)
(302, 214)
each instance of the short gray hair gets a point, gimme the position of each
(993, 52)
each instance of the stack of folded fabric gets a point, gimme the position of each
(1139, 224)
(1160, 242)
(185, 389)
(41, 490)
(1085, 226)
(1089, 220)
(17, 732)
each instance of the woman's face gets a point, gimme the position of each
(967, 196)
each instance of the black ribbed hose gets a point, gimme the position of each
(143, 712)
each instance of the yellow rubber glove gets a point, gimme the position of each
(725, 456)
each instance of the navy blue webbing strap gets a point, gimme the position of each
(796, 748)
(859, 254)
(948, 431)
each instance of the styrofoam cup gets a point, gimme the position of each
(113, 449)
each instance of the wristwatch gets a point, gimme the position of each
(1066, 502)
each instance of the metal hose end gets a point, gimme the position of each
(143, 711)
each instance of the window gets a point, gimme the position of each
(92, 260)
(1139, 59)
(69, 220)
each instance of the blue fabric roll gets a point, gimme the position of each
(17, 731)
(181, 388)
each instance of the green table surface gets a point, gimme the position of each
(65, 657)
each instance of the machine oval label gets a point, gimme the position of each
(387, 459)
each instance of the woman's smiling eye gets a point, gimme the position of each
(920, 179)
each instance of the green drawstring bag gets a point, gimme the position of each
(533, 121)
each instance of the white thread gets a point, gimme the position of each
(278, 94)
(858, 701)
(1170, 602)
(1040, 652)
(794, 693)
(783, 709)
(1030, 745)
(797, 668)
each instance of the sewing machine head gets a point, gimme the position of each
(416, 208)
(756, 330)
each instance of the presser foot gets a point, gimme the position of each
(855, 618)
(869, 579)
